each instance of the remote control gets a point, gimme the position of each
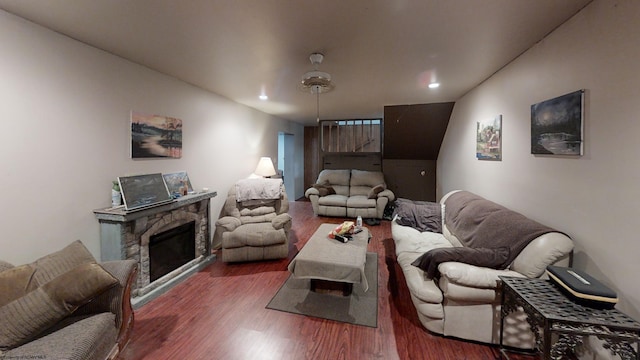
(344, 239)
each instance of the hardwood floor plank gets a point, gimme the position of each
(219, 313)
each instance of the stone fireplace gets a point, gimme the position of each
(128, 235)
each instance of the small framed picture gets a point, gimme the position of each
(489, 139)
(176, 181)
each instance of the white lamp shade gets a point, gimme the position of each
(265, 167)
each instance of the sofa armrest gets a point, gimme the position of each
(473, 276)
(547, 249)
(311, 191)
(228, 223)
(388, 194)
(117, 299)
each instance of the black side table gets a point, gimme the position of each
(549, 311)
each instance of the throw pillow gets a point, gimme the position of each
(15, 283)
(373, 193)
(324, 190)
(51, 266)
(5, 265)
(28, 316)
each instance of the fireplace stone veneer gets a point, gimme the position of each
(126, 235)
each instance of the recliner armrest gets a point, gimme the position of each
(473, 276)
(229, 223)
(281, 221)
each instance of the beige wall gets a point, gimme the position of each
(593, 198)
(65, 108)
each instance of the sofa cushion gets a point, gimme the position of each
(80, 338)
(5, 265)
(334, 177)
(26, 317)
(25, 278)
(51, 266)
(408, 239)
(360, 201)
(366, 178)
(333, 200)
(472, 276)
(15, 283)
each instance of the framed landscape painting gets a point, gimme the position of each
(489, 139)
(155, 136)
(557, 125)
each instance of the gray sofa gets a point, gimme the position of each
(456, 293)
(66, 306)
(350, 193)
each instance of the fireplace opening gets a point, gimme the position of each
(171, 249)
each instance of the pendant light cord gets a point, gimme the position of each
(318, 106)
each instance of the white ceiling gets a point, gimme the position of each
(379, 52)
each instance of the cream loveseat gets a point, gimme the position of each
(350, 193)
(65, 306)
(452, 275)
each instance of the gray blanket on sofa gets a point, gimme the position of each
(483, 226)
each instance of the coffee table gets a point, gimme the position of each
(323, 258)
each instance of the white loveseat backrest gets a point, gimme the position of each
(338, 179)
(362, 181)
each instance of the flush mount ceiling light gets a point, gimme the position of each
(316, 82)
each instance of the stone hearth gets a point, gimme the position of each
(126, 234)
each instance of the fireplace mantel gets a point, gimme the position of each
(121, 215)
(125, 235)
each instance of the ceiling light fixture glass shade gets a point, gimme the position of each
(316, 81)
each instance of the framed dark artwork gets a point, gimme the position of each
(489, 139)
(176, 181)
(557, 125)
(143, 191)
(155, 136)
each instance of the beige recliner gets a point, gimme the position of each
(254, 229)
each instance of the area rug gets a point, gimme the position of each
(360, 308)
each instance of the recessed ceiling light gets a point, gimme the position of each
(434, 85)
(263, 97)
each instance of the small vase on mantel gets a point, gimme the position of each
(116, 198)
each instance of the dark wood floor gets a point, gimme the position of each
(219, 313)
